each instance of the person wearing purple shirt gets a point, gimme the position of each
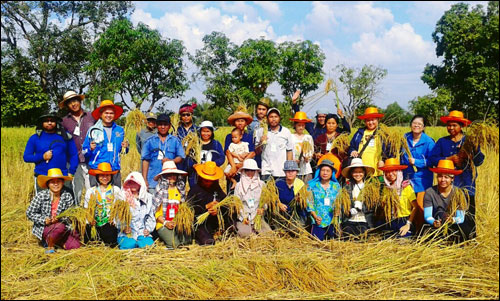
(77, 122)
(51, 147)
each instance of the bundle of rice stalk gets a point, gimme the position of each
(301, 199)
(174, 121)
(135, 120)
(343, 201)
(459, 201)
(77, 216)
(479, 134)
(329, 86)
(341, 143)
(184, 219)
(121, 211)
(306, 150)
(394, 140)
(90, 215)
(241, 106)
(193, 146)
(269, 198)
(370, 194)
(232, 202)
(390, 203)
(263, 125)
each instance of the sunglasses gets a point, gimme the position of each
(49, 120)
(185, 114)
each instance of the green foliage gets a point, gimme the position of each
(301, 67)
(138, 62)
(432, 106)
(360, 86)
(468, 42)
(396, 115)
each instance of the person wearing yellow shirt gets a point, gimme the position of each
(403, 212)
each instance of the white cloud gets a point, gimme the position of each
(321, 20)
(240, 8)
(363, 17)
(270, 7)
(429, 12)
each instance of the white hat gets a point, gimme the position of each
(250, 164)
(207, 124)
(357, 162)
(169, 167)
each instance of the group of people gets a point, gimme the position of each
(83, 150)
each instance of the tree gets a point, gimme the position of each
(360, 86)
(301, 67)
(215, 62)
(394, 114)
(56, 52)
(257, 67)
(138, 62)
(432, 106)
(468, 42)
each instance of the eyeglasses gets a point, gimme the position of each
(185, 114)
(417, 124)
(49, 120)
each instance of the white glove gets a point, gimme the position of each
(353, 211)
(358, 205)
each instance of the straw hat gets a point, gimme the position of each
(151, 115)
(70, 95)
(456, 116)
(209, 171)
(333, 159)
(371, 112)
(300, 117)
(103, 168)
(169, 167)
(357, 162)
(239, 115)
(107, 103)
(265, 102)
(392, 164)
(446, 167)
(250, 164)
(53, 173)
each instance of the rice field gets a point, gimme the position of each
(274, 266)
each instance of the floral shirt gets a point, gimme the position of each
(323, 203)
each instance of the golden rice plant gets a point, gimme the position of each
(370, 194)
(306, 150)
(343, 201)
(174, 121)
(393, 139)
(341, 143)
(269, 198)
(90, 215)
(135, 120)
(193, 146)
(77, 216)
(184, 218)
(459, 200)
(232, 202)
(263, 125)
(390, 203)
(120, 210)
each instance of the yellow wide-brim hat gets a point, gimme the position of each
(300, 117)
(446, 167)
(371, 112)
(239, 115)
(53, 173)
(105, 104)
(103, 168)
(456, 116)
(392, 164)
(209, 171)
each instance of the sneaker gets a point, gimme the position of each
(50, 251)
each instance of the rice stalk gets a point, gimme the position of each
(459, 200)
(370, 194)
(390, 203)
(193, 146)
(341, 143)
(90, 215)
(232, 202)
(306, 150)
(184, 219)
(174, 121)
(269, 198)
(135, 120)
(394, 141)
(343, 200)
(120, 210)
(77, 216)
(265, 129)
(329, 86)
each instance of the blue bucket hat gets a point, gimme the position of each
(290, 165)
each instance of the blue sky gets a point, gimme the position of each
(393, 35)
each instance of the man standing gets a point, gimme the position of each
(261, 113)
(105, 140)
(77, 122)
(158, 149)
(144, 134)
(276, 147)
(186, 123)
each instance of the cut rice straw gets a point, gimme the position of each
(394, 140)
(390, 203)
(184, 219)
(120, 211)
(193, 146)
(232, 202)
(341, 143)
(269, 198)
(77, 216)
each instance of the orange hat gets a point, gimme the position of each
(446, 167)
(392, 164)
(107, 103)
(300, 117)
(103, 168)
(456, 116)
(53, 173)
(239, 115)
(209, 171)
(334, 159)
(371, 112)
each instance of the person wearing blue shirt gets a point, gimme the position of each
(421, 146)
(105, 139)
(51, 147)
(324, 187)
(160, 148)
(448, 148)
(186, 124)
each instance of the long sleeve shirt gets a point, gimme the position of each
(63, 152)
(323, 201)
(143, 218)
(435, 205)
(420, 151)
(108, 150)
(199, 197)
(78, 130)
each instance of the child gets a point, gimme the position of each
(301, 153)
(104, 194)
(167, 199)
(238, 152)
(47, 204)
(138, 235)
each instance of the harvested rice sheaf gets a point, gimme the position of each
(370, 194)
(343, 201)
(394, 141)
(77, 216)
(184, 219)
(121, 211)
(341, 143)
(192, 145)
(390, 203)
(174, 121)
(232, 202)
(306, 150)
(135, 120)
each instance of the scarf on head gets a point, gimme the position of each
(134, 177)
(397, 185)
(189, 109)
